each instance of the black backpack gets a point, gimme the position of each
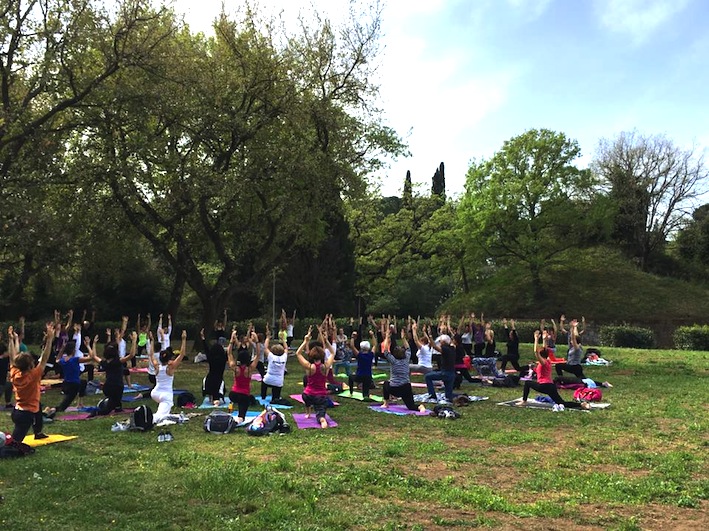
(141, 419)
(103, 407)
(185, 398)
(15, 448)
(219, 422)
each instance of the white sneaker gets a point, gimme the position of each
(555, 408)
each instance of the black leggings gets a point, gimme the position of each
(548, 389)
(402, 391)
(7, 388)
(576, 370)
(24, 420)
(275, 391)
(366, 383)
(514, 361)
(242, 402)
(70, 391)
(318, 403)
(114, 393)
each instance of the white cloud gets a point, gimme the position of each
(637, 19)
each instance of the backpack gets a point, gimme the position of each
(219, 422)
(588, 394)
(445, 412)
(141, 419)
(185, 398)
(510, 380)
(13, 448)
(273, 421)
(103, 407)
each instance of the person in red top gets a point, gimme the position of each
(544, 383)
(25, 376)
(243, 368)
(316, 369)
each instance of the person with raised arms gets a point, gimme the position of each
(316, 368)
(163, 392)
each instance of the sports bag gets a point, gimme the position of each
(268, 422)
(219, 422)
(586, 394)
(141, 419)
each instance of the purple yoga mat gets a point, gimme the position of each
(312, 422)
(299, 398)
(399, 410)
(85, 416)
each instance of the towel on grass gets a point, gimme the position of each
(423, 397)
(399, 410)
(312, 422)
(534, 404)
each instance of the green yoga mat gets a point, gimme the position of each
(359, 396)
(381, 376)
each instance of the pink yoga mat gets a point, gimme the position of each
(256, 377)
(399, 410)
(138, 369)
(312, 422)
(299, 398)
(418, 384)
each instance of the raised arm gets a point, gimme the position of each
(230, 350)
(152, 359)
(573, 332)
(299, 353)
(414, 334)
(48, 336)
(133, 348)
(183, 350)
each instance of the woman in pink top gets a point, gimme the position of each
(243, 368)
(316, 369)
(544, 383)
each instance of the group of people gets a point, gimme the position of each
(444, 358)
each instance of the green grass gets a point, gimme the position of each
(640, 464)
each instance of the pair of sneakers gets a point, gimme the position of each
(165, 436)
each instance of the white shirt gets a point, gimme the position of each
(276, 369)
(164, 338)
(425, 355)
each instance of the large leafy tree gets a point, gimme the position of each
(54, 56)
(227, 154)
(653, 187)
(528, 203)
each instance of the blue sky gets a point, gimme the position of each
(459, 77)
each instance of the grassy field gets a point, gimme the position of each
(639, 465)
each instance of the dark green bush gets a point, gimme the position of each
(626, 336)
(694, 337)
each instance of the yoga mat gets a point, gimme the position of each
(376, 377)
(442, 396)
(248, 419)
(312, 422)
(533, 404)
(135, 388)
(299, 398)
(207, 404)
(54, 438)
(256, 377)
(138, 369)
(399, 410)
(85, 416)
(267, 402)
(51, 382)
(356, 395)
(418, 384)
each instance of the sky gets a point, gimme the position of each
(459, 77)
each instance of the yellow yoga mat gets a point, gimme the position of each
(54, 438)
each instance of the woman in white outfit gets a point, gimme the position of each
(165, 372)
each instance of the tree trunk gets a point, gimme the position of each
(178, 288)
(537, 288)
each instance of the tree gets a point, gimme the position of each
(54, 55)
(528, 203)
(653, 184)
(228, 154)
(692, 243)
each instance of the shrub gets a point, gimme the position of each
(694, 337)
(626, 336)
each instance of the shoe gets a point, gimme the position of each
(169, 437)
(38, 436)
(561, 407)
(607, 384)
(161, 436)
(555, 408)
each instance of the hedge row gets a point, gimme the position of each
(691, 337)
